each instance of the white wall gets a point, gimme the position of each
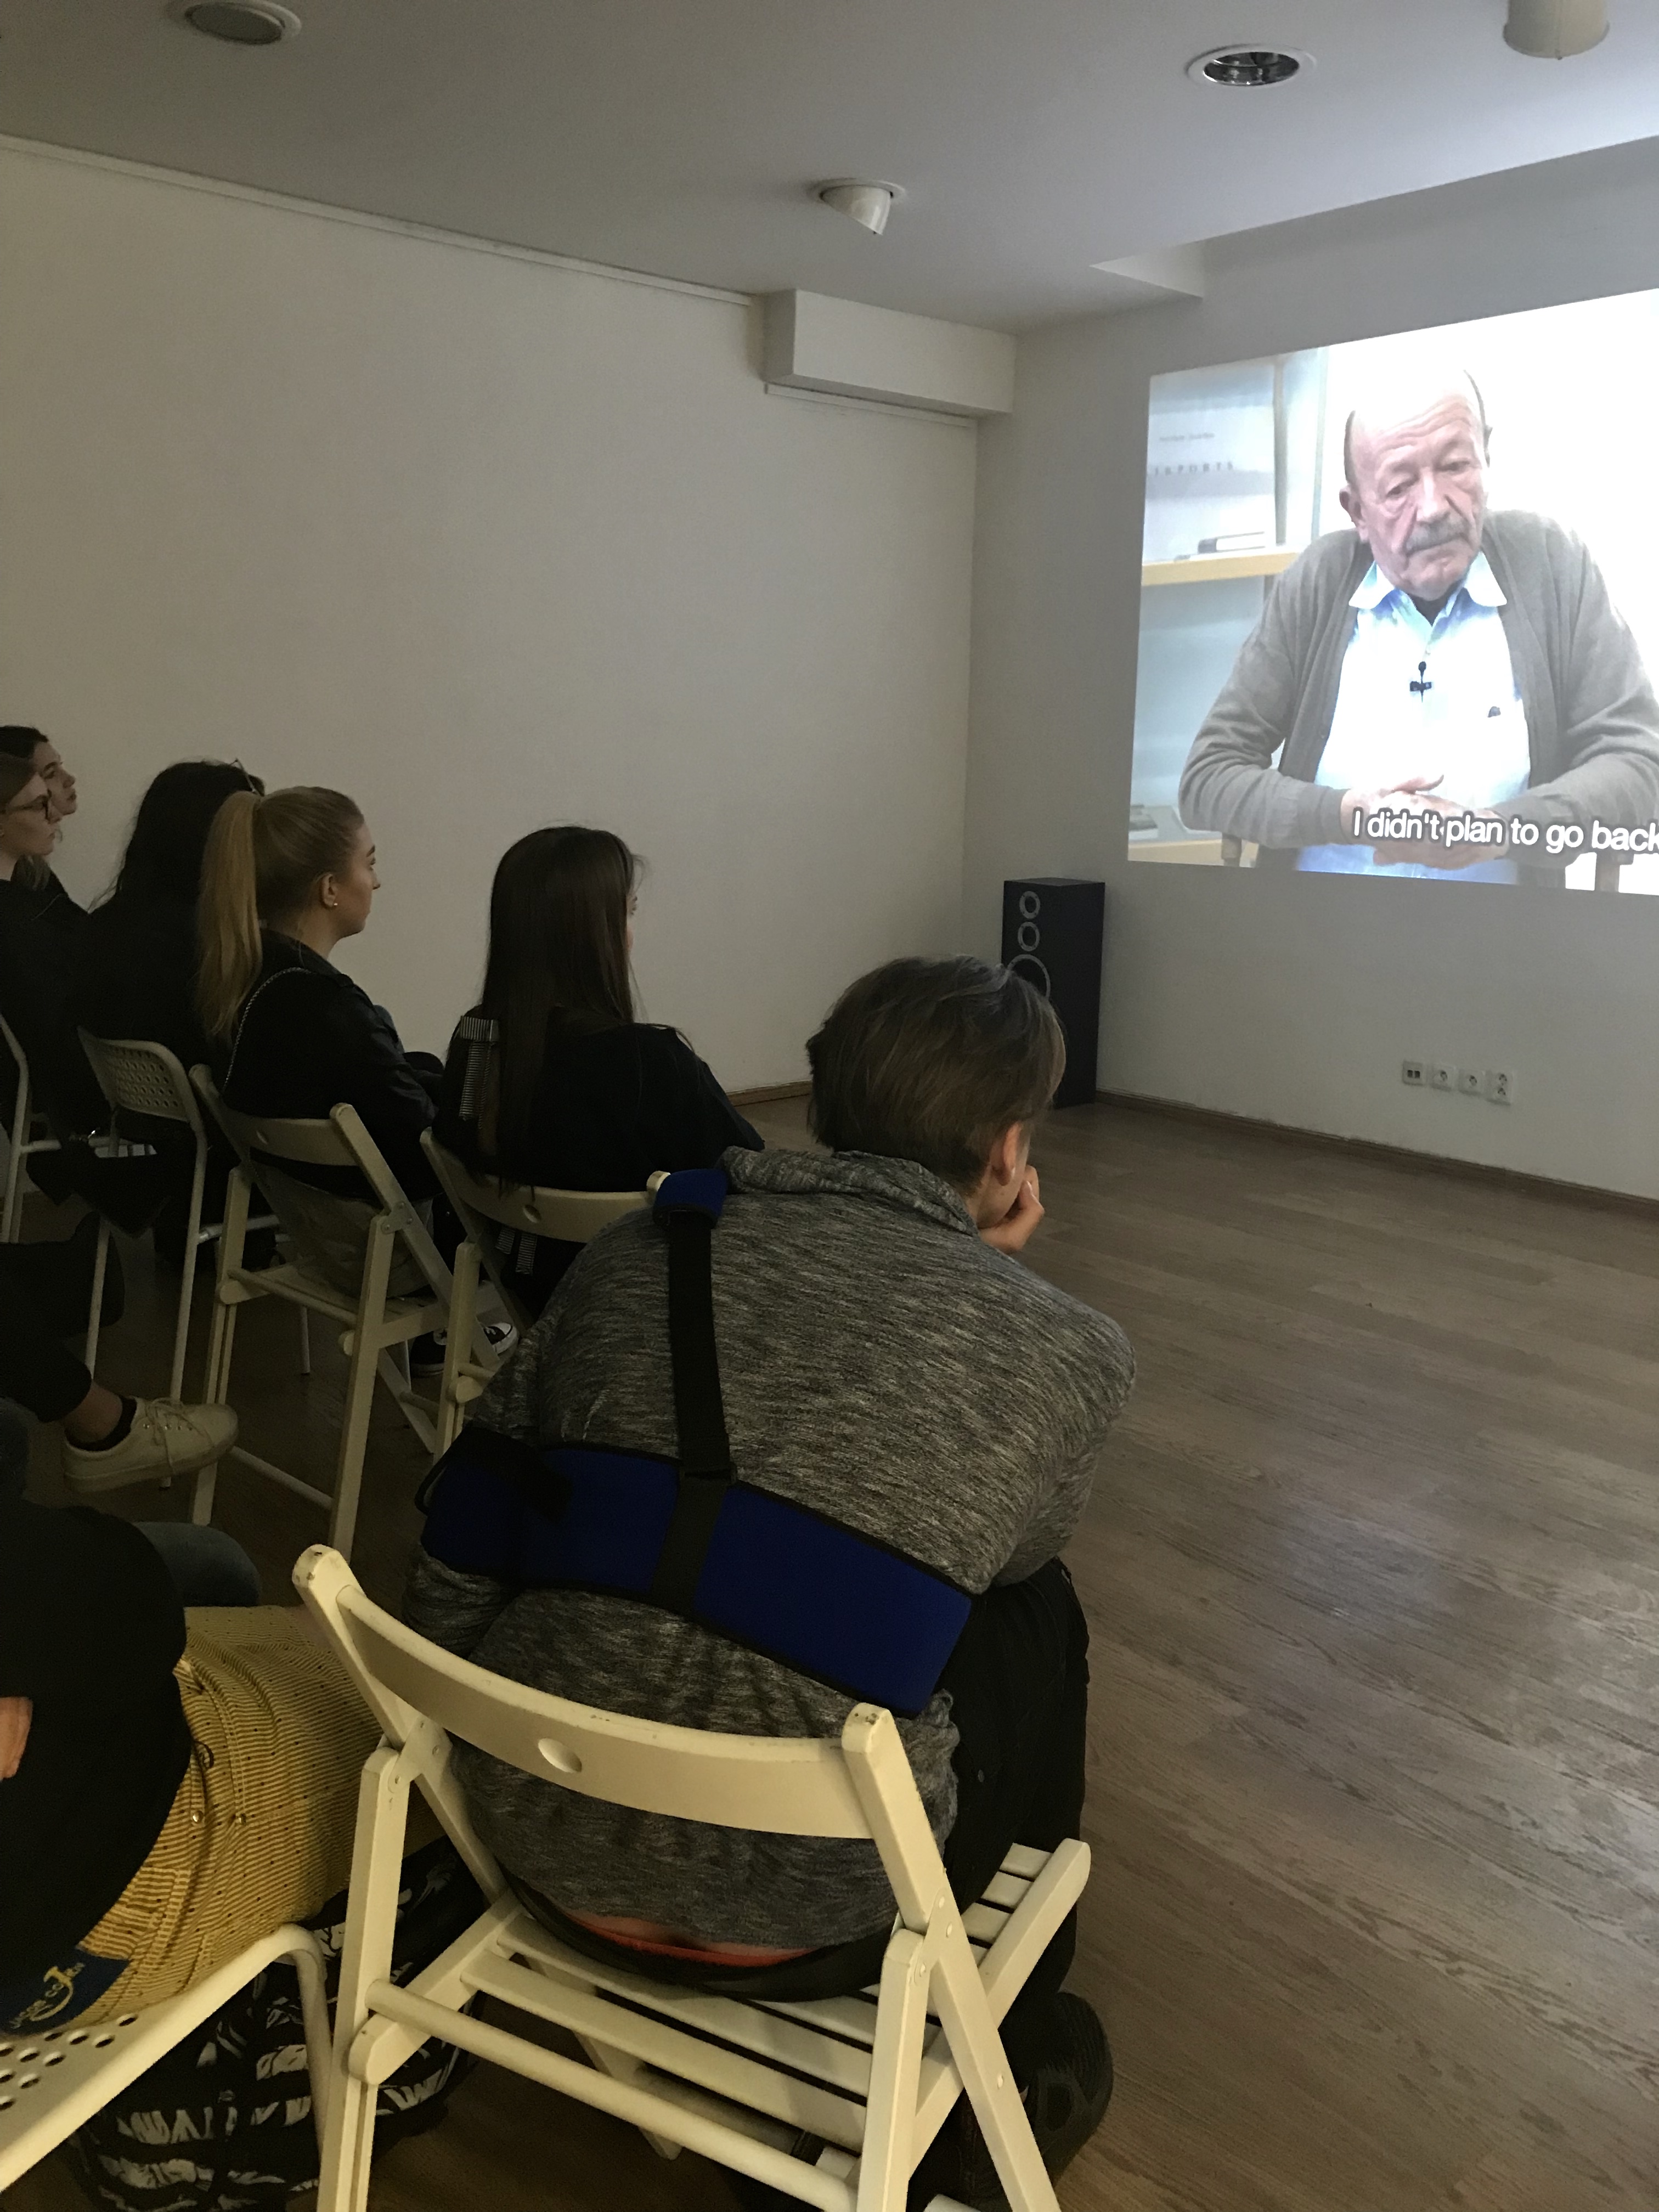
(489, 542)
(1293, 998)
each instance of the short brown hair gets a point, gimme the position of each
(931, 1061)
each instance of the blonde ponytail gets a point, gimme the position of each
(227, 915)
(264, 858)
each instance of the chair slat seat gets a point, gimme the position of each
(659, 2038)
(797, 2043)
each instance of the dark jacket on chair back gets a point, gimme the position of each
(137, 959)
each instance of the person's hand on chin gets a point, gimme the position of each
(1013, 1232)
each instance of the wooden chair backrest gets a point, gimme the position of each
(789, 1786)
(572, 1216)
(333, 1229)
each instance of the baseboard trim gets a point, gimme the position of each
(768, 1094)
(1213, 1118)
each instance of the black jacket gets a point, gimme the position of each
(612, 1107)
(90, 1629)
(308, 1039)
(42, 928)
(137, 976)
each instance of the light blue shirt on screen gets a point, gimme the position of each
(1468, 728)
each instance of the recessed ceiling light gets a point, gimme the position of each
(866, 200)
(1248, 69)
(239, 22)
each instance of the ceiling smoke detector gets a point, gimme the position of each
(1551, 30)
(1248, 69)
(865, 201)
(239, 22)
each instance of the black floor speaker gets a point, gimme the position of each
(1054, 928)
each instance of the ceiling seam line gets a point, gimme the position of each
(364, 219)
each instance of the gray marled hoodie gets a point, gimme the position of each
(880, 1363)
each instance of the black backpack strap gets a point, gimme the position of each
(687, 1205)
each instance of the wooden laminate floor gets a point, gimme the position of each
(1374, 1802)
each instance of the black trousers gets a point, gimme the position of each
(1018, 1680)
(44, 1289)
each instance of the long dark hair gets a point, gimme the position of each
(164, 851)
(558, 948)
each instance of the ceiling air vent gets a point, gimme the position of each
(1248, 69)
(239, 22)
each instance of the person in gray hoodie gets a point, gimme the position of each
(887, 1361)
(1439, 660)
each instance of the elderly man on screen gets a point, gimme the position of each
(1440, 659)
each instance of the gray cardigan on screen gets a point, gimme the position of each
(879, 1364)
(1592, 718)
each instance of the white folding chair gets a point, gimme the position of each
(873, 2076)
(22, 1141)
(371, 1267)
(52, 2081)
(138, 1077)
(496, 1217)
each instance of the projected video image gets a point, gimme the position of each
(1400, 602)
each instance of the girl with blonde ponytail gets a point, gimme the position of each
(288, 876)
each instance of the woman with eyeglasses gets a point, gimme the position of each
(40, 928)
(21, 741)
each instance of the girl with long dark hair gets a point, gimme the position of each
(138, 955)
(551, 1078)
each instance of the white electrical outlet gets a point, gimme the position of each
(1414, 1072)
(1469, 1081)
(1442, 1075)
(1500, 1086)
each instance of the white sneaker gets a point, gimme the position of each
(166, 1439)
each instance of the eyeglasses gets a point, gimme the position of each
(42, 805)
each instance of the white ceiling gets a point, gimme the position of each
(1033, 137)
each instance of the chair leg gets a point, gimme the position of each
(187, 1287)
(305, 1339)
(976, 2048)
(19, 1137)
(895, 2076)
(95, 1308)
(365, 1958)
(221, 1339)
(458, 1342)
(313, 2012)
(360, 1385)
